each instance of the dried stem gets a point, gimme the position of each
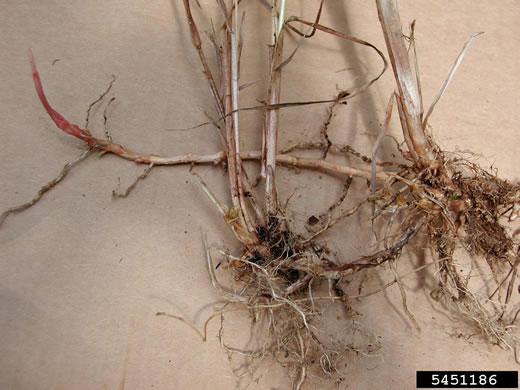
(229, 81)
(410, 108)
(270, 142)
(197, 43)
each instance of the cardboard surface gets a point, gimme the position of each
(82, 275)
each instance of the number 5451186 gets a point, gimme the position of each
(463, 380)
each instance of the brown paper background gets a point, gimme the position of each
(82, 275)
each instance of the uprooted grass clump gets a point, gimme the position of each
(463, 206)
(288, 282)
(473, 214)
(458, 204)
(281, 283)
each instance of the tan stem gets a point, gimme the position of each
(216, 158)
(409, 100)
(197, 43)
(228, 119)
(232, 140)
(301, 162)
(271, 125)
